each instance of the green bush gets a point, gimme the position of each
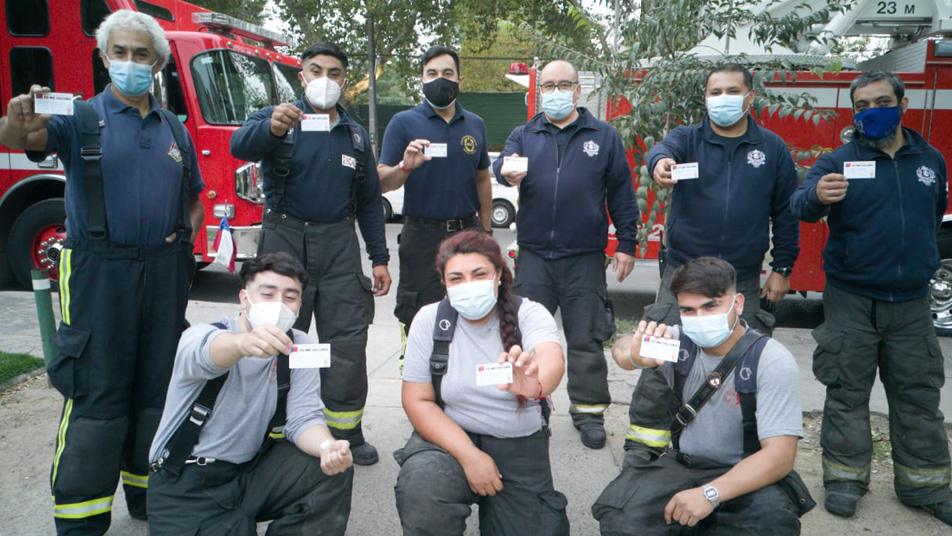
(12, 365)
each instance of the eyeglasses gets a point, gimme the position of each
(549, 87)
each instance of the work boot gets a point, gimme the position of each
(593, 434)
(364, 454)
(942, 511)
(841, 499)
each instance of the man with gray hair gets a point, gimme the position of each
(132, 213)
(879, 258)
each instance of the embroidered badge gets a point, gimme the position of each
(445, 324)
(926, 175)
(590, 148)
(756, 158)
(714, 379)
(469, 144)
(175, 153)
(348, 161)
(683, 355)
(357, 138)
(745, 373)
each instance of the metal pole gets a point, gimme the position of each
(371, 82)
(44, 311)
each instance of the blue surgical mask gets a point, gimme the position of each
(473, 300)
(877, 123)
(726, 110)
(708, 331)
(131, 78)
(558, 104)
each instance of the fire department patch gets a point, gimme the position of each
(348, 161)
(756, 158)
(469, 144)
(175, 153)
(926, 175)
(590, 148)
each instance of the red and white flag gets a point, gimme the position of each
(225, 246)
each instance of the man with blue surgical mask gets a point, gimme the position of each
(132, 215)
(730, 199)
(884, 195)
(717, 462)
(576, 167)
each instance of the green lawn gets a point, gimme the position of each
(12, 365)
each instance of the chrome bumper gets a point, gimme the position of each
(246, 241)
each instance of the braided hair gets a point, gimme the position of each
(477, 242)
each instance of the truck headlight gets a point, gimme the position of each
(248, 182)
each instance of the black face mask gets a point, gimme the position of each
(440, 92)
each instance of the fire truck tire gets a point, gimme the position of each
(387, 210)
(43, 221)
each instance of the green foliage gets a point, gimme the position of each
(12, 365)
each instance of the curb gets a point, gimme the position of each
(17, 380)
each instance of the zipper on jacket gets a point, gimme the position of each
(555, 194)
(727, 197)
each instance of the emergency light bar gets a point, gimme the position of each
(240, 27)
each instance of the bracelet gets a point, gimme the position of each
(404, 168)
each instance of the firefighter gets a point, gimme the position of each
(319, 176)
(576, 164)
(711, 471)
(883, 195)
(438, 153)
(224, 475)
(743, 178)
(132, 213)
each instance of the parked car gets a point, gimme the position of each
(505, 201)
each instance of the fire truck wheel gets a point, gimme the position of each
(940, 299)
(387, 210)
(36, 238)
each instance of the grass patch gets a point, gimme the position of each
(12, 365)
(623, 326)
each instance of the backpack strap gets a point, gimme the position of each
(745, 383)
(278, 420)
(184, 224)
(281, 168)
(443, 330)
(360, 174)
(91, 153)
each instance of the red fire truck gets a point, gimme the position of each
(920, 53)
(221, 70)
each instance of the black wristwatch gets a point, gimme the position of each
(784, 271)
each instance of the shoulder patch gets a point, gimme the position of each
(175, 153)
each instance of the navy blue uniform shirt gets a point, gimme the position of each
(321, 174)
(141, 171)
(882, 241)
(443, 188)
(743, 187)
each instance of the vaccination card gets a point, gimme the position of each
(310, 356)
(493, 374)
(515, 164)
(680, 172)
(859, 170)
(53, 103)
(660, 348)
(435, 150)
(316, 123)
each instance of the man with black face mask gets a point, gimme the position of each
(884, 195)
(437, 151)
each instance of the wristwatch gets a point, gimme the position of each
(710, 493)
(784, 271)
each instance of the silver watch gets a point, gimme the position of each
(710, 493)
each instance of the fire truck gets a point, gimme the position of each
(920, 52)
(221, 70)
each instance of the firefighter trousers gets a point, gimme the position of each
(634, 503)
(340, 297)
(434, 498)
(281, 484)
(575, 285)
(123, 310)
(859, 335)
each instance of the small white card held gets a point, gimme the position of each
(493, 374)
(515, 164)
(859, 170)
(680, 172)
(310, 356)
(435, 150)
(53, 103)
(316, 123)
(660, 348)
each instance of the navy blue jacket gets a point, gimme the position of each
(882, 241)
(726, 212)
(320, 180)
(562, 207)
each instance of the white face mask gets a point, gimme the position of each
(709, 331)
(323, 93)
(272, 312)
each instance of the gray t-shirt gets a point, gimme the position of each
(481, 410)
(246, 403)
(717, 433)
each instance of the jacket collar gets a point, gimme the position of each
(585, 121)
(753, 135)
(915, 143)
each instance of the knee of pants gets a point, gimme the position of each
(428, 482)
(768, 510)
(87, 456)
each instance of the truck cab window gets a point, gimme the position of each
(31, 65)
(28, 18)
(167, 87)
(93, 12)
(231, 86)
(286, 78)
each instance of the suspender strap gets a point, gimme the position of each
(276, 427)
(91, 154)
(360, 174)
(687, 412)
(745, 383)
(281, 168)
(443, 330)
(184, 223)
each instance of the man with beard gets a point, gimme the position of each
(879, 257)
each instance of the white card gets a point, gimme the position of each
(316, 123)
(310, 356)
(53, 103)
(680, 172)
(515, 164)
(493, 374)
(435, 150)
(660, 348)
(860, 170)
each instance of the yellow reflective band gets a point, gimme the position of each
(274, 435)
(649, 436)
(918, 478)
(61, 439)
(343, 420)
(138, 481)
(65, 271)
(839, 472)
(83, 509)
(594, 409)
